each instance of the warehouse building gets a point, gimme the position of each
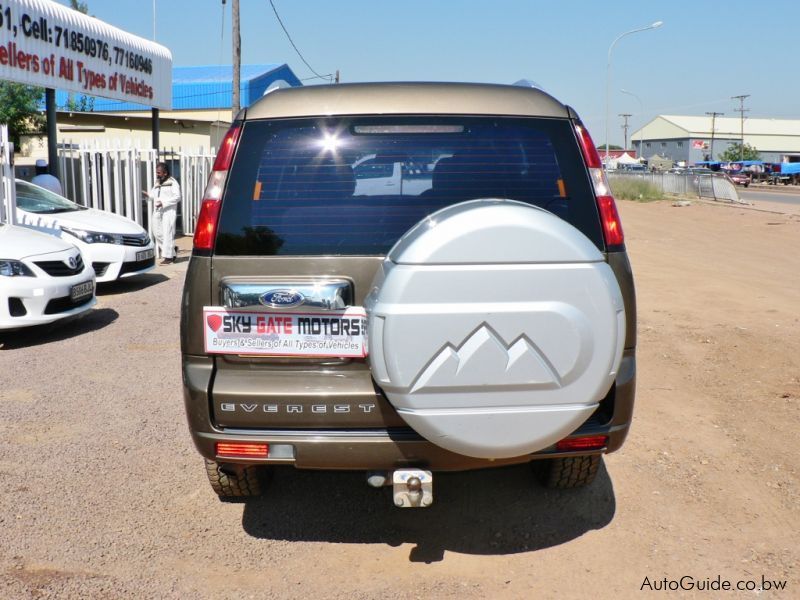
(689, 139)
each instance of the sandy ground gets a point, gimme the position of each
(103, 496)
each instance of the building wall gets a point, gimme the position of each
(669, 148)
(677, 136)
(112, 131)
(686, 149)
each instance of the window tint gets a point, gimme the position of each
(353, 186)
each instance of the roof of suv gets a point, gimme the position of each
(407, 98)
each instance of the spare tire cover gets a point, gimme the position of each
(495, 328)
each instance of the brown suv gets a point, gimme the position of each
(403, 279)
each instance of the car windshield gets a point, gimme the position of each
(34, 199)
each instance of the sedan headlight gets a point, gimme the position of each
(14, 268)
(94, 237)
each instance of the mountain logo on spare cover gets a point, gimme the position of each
(484, 359)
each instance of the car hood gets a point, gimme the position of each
(90, 220)
(20, 242)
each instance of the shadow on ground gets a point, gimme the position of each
(130, 284)
(71, 327)
(488, 512)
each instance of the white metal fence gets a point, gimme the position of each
(701, 186)
(8, 197)
(113, 179)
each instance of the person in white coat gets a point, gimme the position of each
(166, 194)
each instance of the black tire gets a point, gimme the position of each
(568, 472)
(236, 483)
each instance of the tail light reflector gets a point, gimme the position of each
(242, 450)
(609, 217)
(612, 226)
(589, 442)
(206, 228)
(207, 221)
(590, 154)
(227, 148)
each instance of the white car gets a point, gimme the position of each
(113, 245)
(42, 279)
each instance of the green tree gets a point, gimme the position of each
(610, 147)
(735, 152)
(81, 7)
(19, 109)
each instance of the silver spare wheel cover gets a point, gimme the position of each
(495, 328)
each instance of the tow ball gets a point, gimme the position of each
(412, 488)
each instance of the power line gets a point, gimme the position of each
(713, 116)
(277, 16)
(328, 77)
(741, 110)
(625, 128)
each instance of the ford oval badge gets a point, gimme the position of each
(282, 298)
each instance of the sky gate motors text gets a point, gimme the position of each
(346, 326)
(327, 326)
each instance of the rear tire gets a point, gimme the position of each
(236, 483)
(568, 472)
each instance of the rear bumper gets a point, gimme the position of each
(386, 449)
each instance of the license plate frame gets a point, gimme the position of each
(81, 291)
(145, 254)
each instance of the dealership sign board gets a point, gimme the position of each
(46, 44)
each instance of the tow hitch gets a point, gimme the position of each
(412, 488)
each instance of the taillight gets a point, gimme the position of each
(206, 228)
(609, 217)
(612, 226)
(590, 442)
(207, 221)
(588, 149)
(242, 450)
(227, 148)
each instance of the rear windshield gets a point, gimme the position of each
(353, 186)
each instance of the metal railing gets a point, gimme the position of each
(8, 193)
(680, 184)
(113, 179)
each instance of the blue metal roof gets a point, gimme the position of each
(205, 87)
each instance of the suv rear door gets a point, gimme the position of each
(291, 219)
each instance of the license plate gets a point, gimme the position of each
(81, 290)
(145, 254)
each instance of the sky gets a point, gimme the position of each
(703, 54)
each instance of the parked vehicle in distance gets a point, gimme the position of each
(740, 178)
(113, 245)
(42, 279)
(378, 175)
(632, 168)
(484, 318)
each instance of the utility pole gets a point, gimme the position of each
(741, 110)
(237, 59)
(625, 129)
(714, 116)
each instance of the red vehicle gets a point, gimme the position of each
(740, 178)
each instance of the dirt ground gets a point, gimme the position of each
(102, 494)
